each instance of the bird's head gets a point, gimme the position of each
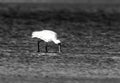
(57, 42)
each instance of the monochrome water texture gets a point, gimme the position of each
(90, 35)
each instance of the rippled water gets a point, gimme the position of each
(58, 80)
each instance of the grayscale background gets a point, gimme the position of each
(88, 29)
(64, 1)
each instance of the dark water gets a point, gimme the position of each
(58, 80)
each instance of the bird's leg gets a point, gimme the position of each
(59, 47)
(46, 49)
(38, 46)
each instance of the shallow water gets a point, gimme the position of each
(59, 80)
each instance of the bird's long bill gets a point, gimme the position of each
(59, 47)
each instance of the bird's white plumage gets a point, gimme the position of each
(46, 35)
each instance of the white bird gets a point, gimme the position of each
(47, 36)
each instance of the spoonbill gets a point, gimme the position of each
(47, 36)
